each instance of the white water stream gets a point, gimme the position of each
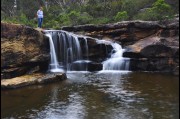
(66, 53)
(54, 65)
(116, 61)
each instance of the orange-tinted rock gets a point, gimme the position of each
(22, 47)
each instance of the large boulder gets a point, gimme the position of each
(161, 51)
(23, 50)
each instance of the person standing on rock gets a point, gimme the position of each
(40, 17)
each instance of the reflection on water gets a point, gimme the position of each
(102, 95)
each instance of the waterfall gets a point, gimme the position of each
(66, 53)
(116, 61)
(54, 65)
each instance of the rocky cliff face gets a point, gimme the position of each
(151, 45)
(23, 50)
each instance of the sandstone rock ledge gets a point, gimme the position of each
(26, 80)
(23, 49)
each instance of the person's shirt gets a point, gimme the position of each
(40, 14)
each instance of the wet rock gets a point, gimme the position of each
(99, 52)
(153, 64)
(26, 80)
(157, 51)
(95, 66)
(96, 51)
(86, 66)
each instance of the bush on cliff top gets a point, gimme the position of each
(159, 11)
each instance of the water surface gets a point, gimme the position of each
(103, 95)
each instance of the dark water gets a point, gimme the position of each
(118, 95)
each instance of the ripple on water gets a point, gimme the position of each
(98, 95)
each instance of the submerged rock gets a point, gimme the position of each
(26, 80)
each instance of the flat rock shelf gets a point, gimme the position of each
(37, 78)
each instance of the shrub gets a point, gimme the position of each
(73, 16)
(84, 18)
(120, 16)
(100, 20)
(23, 19)
(159, 11)
(63, 19)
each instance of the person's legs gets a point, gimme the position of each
(39, 22)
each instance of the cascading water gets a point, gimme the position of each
(54, 65)
(116, 61)
(66, 53)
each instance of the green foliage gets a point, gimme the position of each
(23, 19)
(95, 10)
(73, 16)
(60, 13)
(84, 18)
(120, 16)
(63, 19)
(102, 20)
(133, 6)
(159, 11)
